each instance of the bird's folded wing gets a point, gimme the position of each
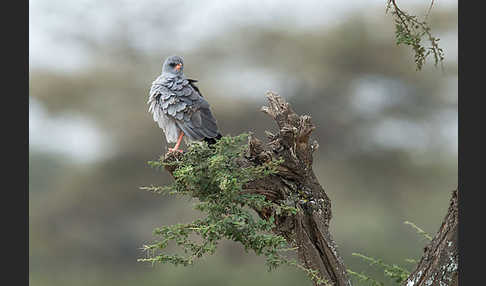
(178, 99)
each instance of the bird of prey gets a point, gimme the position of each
(179, 108)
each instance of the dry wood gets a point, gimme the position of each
(440, 262)
(309, 229)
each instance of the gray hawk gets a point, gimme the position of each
(179, 108)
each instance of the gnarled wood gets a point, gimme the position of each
(297, 185)
(296, 182)
(308, 230)
(440, 263)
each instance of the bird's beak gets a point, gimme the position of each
(178, 67)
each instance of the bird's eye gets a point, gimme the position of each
(172, 64)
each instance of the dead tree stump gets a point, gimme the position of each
(296, 184)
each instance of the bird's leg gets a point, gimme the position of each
(179, 140)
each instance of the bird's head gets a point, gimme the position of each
(173, 65)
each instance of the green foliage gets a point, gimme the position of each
(396, 273)
(410, 31)
(419, 230)
(364, 278)
(213, 176)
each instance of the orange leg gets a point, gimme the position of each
(176, 147)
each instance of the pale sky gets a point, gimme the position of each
(76, 136)
(196, 20)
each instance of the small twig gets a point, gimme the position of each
(419, 230)
(409, 30)
(430, 8)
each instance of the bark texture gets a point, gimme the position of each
(440, 263)
(295, 185)
(308, 230)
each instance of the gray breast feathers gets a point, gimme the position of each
(177, 105)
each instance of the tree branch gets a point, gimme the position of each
(440, 262)
(296, 185)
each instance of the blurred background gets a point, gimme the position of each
(387, 133)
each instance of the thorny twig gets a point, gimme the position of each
(409, 30)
